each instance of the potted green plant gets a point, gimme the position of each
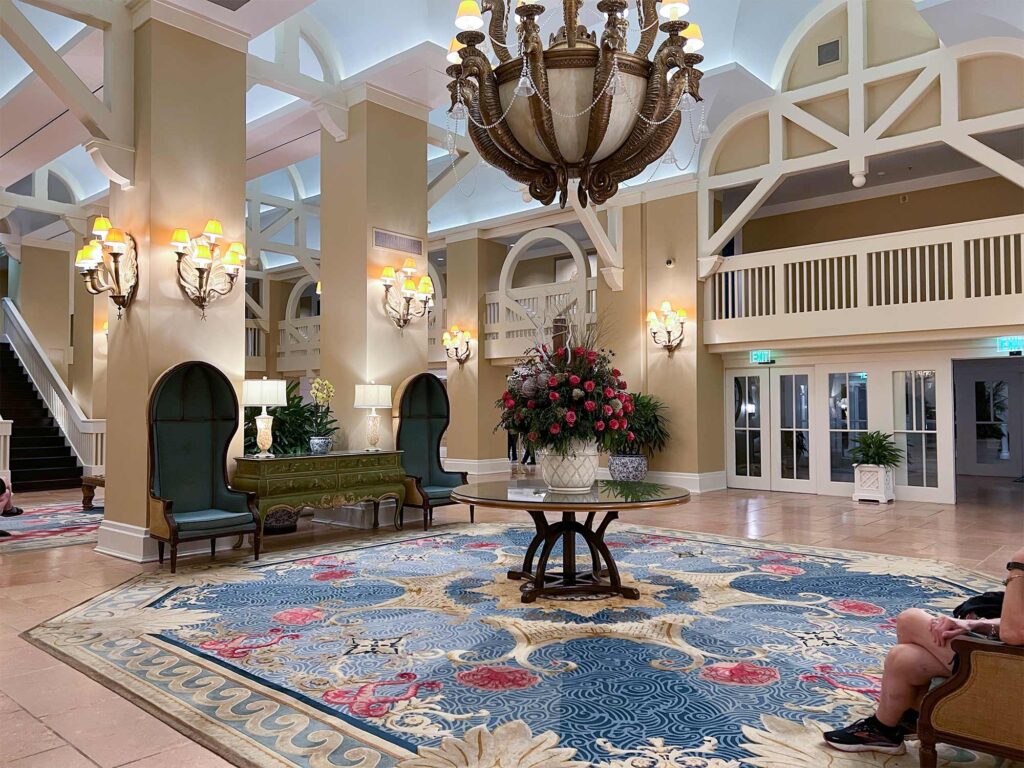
(568, 402)
(292, 425)
(875, 458)
(646, 435)
(322, 425)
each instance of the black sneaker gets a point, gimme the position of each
(867, 735)
(13, 512)
(909, 723)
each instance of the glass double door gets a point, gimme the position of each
(768, 413)
(990, 417)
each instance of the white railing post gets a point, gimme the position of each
(5, 449)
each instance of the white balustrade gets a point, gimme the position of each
(957, 276)
(255, 346)
(6, 426)
(298, 345)
(87, 437)
(509, 327)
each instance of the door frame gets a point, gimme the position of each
(779, 483)
(762, 483)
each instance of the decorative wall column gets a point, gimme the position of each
(660, 261)
(374, 179)
(474, 266)
(190, 166)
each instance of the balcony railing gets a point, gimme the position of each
(509, 327)
(255, 346)
(298, 345)
(958, 276)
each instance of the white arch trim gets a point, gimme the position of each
(518, 252)
(292, 308)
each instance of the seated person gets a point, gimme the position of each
(7, 508)
(922, 653)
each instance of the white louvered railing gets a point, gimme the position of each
(6, 426)
(255, 346)
(510, 333)
(88, 437)
(957, 276)
(298, 345)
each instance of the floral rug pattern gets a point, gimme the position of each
(52, 525)
(413, 651)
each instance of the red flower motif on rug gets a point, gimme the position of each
(337, 575)
(781, 570)
(856, 607)
(772, 555)
(364, 701)
(298, 616)
(483, 545)
(497, 678)
(739, 673)
(240, 646)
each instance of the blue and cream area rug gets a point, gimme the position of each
(413, 650)
(50, 525)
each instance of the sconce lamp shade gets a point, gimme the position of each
(674, 9)
(238, 249)
(426, 286)
(409, 267)
(232, 263)
(180, 239)
(202, 255)
(373, 396)
(213, 229)
(101, 226)
(468, 17)
(319, 288)
(387, 276)
(694, 38)
(453, 56)
(114, 237)
(264, 392)
(408, 288)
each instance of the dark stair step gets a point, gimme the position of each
(54, 462)
(19, 431)
(32, 451)
(28, 486)
(47, 473)
(33, 441)
(23, 422)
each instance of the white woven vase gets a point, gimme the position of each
(575, 473)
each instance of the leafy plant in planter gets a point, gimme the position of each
(292, 425)
(875, 457)
(647, 435)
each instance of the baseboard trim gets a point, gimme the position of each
(694, 482)
(132, 542)
(477, 466)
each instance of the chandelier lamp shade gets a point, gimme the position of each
(109, 264)
(584, 108)
(406, 296)
(456, 344)
(667, 327)
(371, 397)
(261, 393)
(206, 270)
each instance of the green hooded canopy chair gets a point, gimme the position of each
(193, 414)
(423, 417)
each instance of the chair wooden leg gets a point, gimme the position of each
(928, 757)
(174, 555)
(256, 545)
(213, 549)
(426, 517)
(472, 513)
(160, 551)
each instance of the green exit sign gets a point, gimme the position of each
(1010, 344)
(761, 357)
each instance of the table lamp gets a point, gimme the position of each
(261, 393)
(373, 396)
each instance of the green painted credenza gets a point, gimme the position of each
(284, 485)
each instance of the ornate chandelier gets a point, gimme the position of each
(584, 108)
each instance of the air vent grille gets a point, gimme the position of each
(393, 241)
(828, 53)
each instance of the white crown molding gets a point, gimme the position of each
(367, 92)
(188, 21)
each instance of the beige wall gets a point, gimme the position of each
(44, 300)
(983, 199)
(189, 168)
(473, 269)
(803, 67)
(529, 272)
(89, 372)
(690, 381)
(375, 178)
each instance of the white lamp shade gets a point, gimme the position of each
(264, 392)
(373, 396)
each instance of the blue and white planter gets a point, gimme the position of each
(627, 468)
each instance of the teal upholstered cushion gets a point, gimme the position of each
(437, 491)
(209, 519)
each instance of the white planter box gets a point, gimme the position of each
(874, 483)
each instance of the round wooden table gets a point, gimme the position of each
(607, 496)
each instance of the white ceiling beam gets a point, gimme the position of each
(94, 13)
(903, 104)
(741, 215)
(451, 176)
(815, 126)
(41, 205)
(608, 255)
(1009, 169)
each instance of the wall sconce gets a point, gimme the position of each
(109, 264)
(669, 329)
(456, 344)
(205, 273)
(400, 308)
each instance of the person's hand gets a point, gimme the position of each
(944, 629)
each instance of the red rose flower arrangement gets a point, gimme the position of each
(559, 397)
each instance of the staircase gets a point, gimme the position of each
(40, 458)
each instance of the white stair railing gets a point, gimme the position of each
(5, 449)
(88, 437)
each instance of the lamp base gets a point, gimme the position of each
(372, 431)
(264, 434)
(263, 455)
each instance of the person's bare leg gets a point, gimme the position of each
(913, 627)
(908, 671)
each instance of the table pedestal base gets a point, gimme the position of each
(601, 579)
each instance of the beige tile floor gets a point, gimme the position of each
(55, 717)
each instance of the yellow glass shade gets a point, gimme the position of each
(180, 239)
(231, 259)
(426, 286)
(409, 266)
(408, 287)
(694, 38)
(94, 251)
(681, 314)
(82, 260)
(446, 339)
(455, 330)
(319, 288)
(114, 237)
(652, 318)
(466, 336)
(106, 326)
(387, 275)
(238, 249)
(202, 255)
(468, 17)
(674, 9)
(666, 307)
(101, 226)
(453, 52)
(213, 229)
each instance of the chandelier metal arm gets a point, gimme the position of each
(533, 55)
(612, 41)
(571, 11)
(496, 29)
(648, 27)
